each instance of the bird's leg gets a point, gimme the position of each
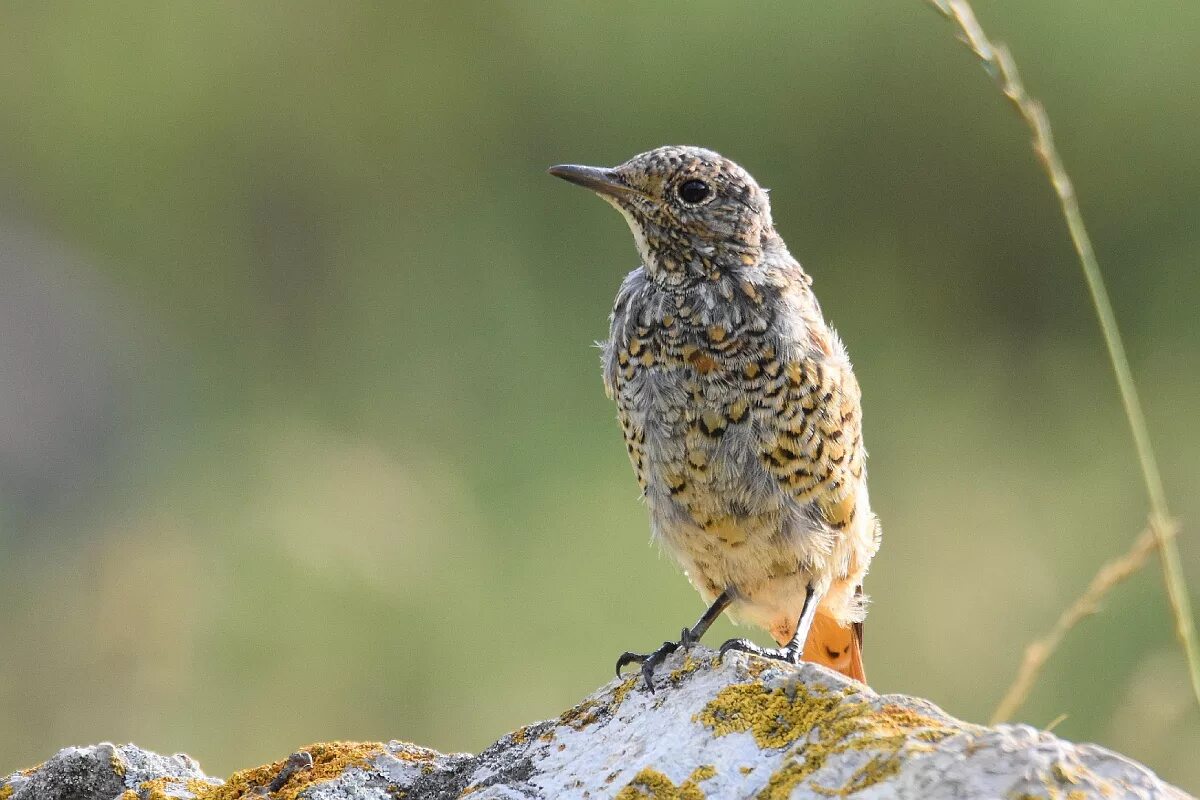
(687, 638)
(791, 651)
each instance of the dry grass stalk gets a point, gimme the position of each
(999, 63)
(1039, 650)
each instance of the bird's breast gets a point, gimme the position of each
(690, 415)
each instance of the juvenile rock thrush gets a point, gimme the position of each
(740, 410)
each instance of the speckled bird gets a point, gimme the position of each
(740, 410)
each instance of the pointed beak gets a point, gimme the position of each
(599, 180)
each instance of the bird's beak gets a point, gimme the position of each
(599, 180)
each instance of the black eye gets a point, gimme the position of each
(694, 191)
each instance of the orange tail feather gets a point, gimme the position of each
(836, 647)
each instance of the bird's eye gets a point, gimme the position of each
(694, 191)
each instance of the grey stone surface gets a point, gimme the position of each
(99, 771)
(739, 728)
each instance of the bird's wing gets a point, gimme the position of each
(813, 447)
(618, 367)
(812, 442)
(611, 350)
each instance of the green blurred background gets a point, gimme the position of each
(302, 435)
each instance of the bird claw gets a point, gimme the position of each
(788, 653)
(651, 661)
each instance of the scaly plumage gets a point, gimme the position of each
(739, 407)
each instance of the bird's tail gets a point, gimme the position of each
(836, 647)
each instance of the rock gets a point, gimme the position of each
(744, 727)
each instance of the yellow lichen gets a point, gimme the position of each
(199, 787)
(330, 760)
(153, 790)
(1058, 781)
(582, 715)
(413, 753)
(650, 784)
(622, 691)
(117, 763)
(913, 724)
(158, 788)
(755, 667)
(775, 717)
(690, 665)
(818, 723)
(590, 711)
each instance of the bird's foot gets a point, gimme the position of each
(651, 661)
(789, 653)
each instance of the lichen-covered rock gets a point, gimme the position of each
(102, 770)
(739, 729)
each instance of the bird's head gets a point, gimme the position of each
(694, 213)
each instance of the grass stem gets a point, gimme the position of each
(1161, 529)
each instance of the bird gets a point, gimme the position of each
(740, 411)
